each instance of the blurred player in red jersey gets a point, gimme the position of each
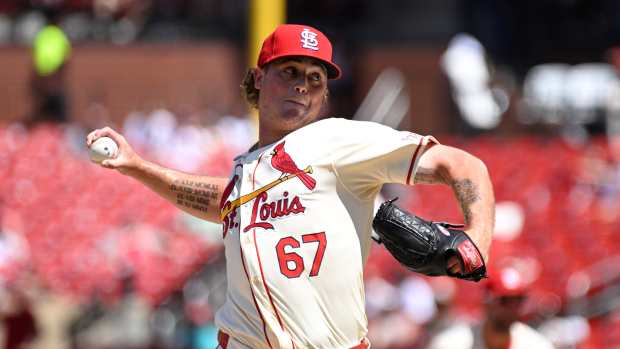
(500, 329)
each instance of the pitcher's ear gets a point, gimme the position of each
(259, 74)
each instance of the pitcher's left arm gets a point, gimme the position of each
(469, 179)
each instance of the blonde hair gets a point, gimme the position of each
(248, 91)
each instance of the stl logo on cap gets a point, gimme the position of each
(308, 39)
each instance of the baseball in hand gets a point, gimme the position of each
(103, 148)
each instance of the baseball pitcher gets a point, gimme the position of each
(297, 209)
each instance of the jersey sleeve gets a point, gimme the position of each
(373, 154)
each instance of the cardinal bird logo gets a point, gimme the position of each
(283, 162)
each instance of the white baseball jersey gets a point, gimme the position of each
(297, 220)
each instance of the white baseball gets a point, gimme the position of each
(103, 148)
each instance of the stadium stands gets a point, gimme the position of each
(88, 228)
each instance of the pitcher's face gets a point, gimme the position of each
(292, 93)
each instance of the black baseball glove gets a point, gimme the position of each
(424, 246)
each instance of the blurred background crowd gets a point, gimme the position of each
(91, 259)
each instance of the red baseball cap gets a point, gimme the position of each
(298, 40)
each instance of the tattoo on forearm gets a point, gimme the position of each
(466, 193)
(426, 176)
(193, 194)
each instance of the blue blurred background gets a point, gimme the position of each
(91, 259)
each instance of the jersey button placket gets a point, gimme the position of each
(247, 240)
(244, 187)
(245, 211)
(239, 215)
